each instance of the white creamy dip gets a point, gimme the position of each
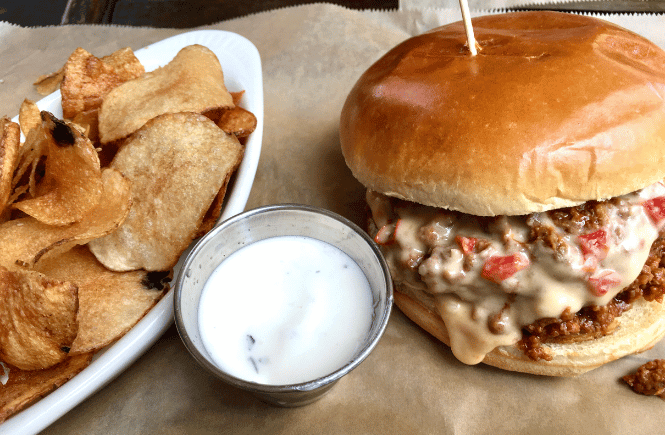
(301, 315)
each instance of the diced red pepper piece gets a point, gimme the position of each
(603, 282)
(498, 268)
(655, 208)
(466, 244)
(594, 244)
(386, 234)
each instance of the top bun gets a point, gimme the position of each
(555, 110)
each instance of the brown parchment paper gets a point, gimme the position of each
(411, 383)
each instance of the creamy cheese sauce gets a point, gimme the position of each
(487, 279)
(302, 315)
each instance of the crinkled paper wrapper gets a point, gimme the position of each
(411, 383)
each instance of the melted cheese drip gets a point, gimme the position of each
(427, 258)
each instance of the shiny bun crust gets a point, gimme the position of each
(639, 329)
(555, 110)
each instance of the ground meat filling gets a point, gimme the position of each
(488, 276)
(649, 379)
(594, 321)
(586, 217)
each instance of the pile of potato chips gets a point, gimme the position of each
(96, 208)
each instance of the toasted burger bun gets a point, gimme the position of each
(639, 329)
(577, 106)
(554, 111)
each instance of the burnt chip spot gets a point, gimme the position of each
(156, 280)
(65, 349)
(63, 135)
(61, 132)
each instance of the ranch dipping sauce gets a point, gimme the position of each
(285, 310)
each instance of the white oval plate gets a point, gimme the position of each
(241, 64)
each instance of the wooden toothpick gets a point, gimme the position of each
(466, 16)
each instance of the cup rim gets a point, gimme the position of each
(285, 388)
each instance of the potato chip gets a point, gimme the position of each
(10, 136)
(192, 82)
(25, 241)
(29, 116)
(30, 164)
(49, 83)
(30, 152)
(37, 319)
(88, 121)
(177, 164)
(87, 79)
(214, 211)
(72, 182)
(125, 64)
(237, 96)
(25, 387)
(110, 303)
(237, 121)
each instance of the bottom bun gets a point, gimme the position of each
(639, 329)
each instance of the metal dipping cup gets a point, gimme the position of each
(263, 223)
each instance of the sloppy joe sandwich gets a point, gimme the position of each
(518, 194)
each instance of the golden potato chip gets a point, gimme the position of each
(88, 121)
(29, 116)
(49, 83)
(110, 303)
(72, 182)
(30, 165)
(192, 82)
(37, 319)
(125, 64)
(25, 241)
(10, 137)
(31, 151)
(237, 121)
(23, 387)
(214, 211)
(177, 163)
(237, 96)
(87, 79)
